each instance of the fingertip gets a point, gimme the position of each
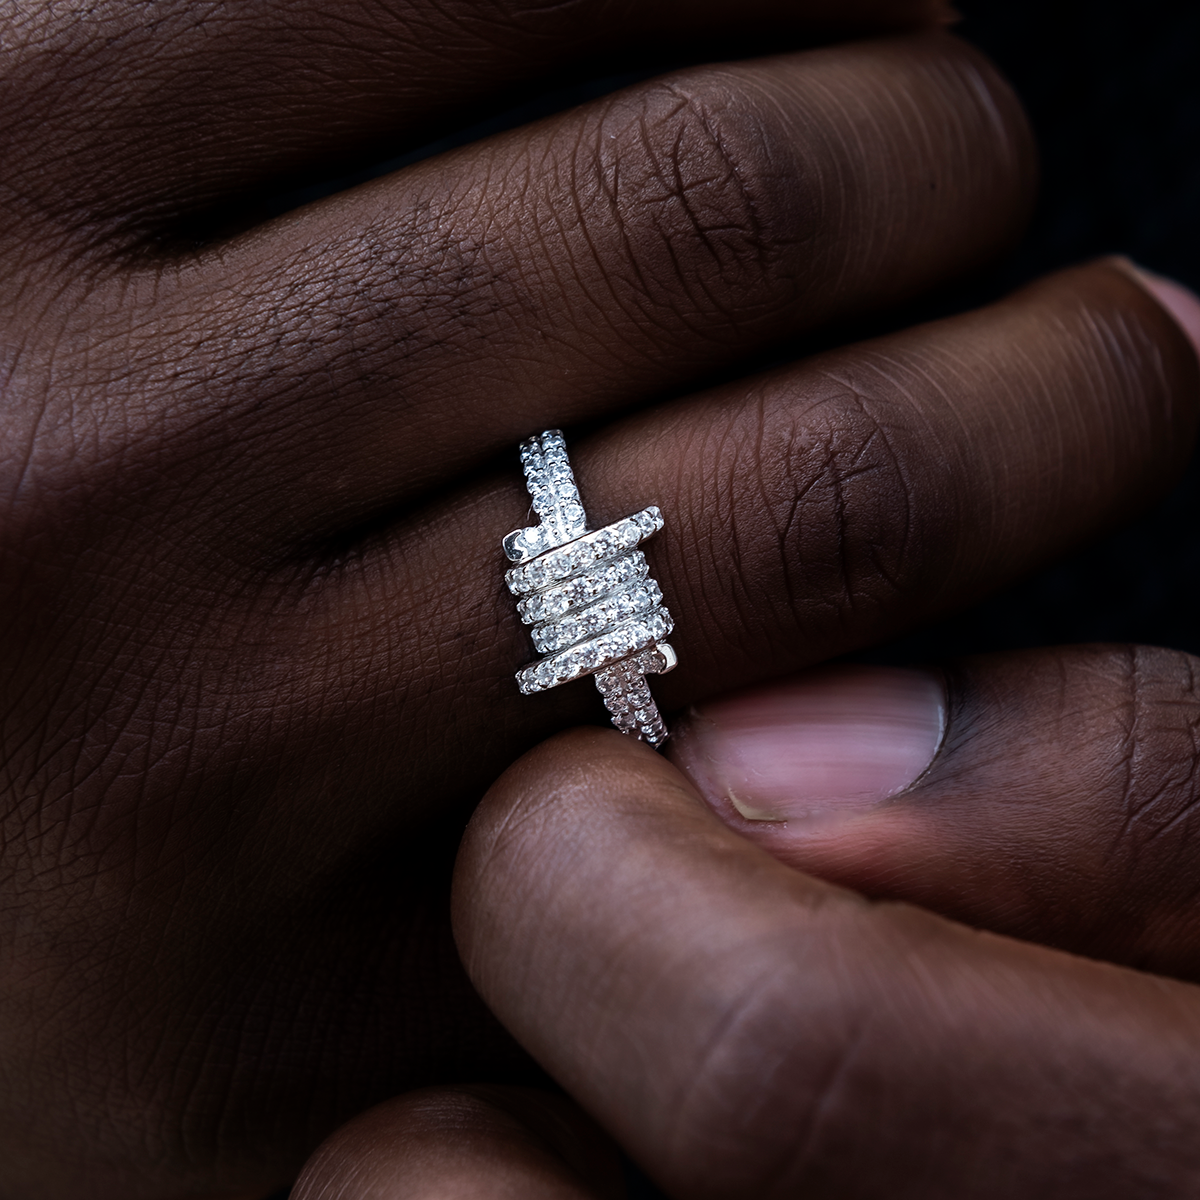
(826, 744)
(1180, 302)
(483, 1142)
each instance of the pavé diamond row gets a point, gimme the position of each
(594, 608)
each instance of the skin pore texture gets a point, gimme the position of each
(259, 657)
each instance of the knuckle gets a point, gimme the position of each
(1126, 728)
(690, 172)
(817, 494)
(848, 499)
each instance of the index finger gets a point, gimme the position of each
(147, 122)
(748, 1031)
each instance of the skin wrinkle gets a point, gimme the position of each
(824, 1111)
(678, 182)
(788, 532)
(610, 184)
(895, 374)
(1143, 760)
(1126, 764)
(727, 484)
(848, 147)
(900, 497)
(753, 230)
(691, 1109)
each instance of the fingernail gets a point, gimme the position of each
(1181, 302)
(834, 740)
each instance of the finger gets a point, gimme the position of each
(377, 344)
(748, 1031)
(809, 513)
(147, 122)
(1062, 806)
(465, 1143)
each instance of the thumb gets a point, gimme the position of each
(747, 1031)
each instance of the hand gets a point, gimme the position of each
(258, 645)
(750, 1031)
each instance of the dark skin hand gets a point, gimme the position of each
(751, 1029)
(259, 656)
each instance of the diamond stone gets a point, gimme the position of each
(593, 607)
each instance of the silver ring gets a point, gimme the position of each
(588, 595)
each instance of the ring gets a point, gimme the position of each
(588, 595)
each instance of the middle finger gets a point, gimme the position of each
(386, 338)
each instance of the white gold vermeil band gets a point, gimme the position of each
(588, 595)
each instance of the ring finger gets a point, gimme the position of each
(810, 512)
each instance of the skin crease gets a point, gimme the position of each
(259, 658)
